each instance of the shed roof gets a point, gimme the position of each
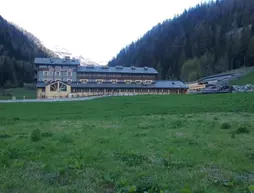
(57, 61)
(218, 76)
(215, 79)
(117, 69)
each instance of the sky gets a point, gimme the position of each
(95, 29)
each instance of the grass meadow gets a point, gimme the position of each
(19, 93)
(155, 144)
(247, 79)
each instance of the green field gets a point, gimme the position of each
(247, 79)
(178, 144)
(19, 93)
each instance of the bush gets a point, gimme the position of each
(131, 159)
(225, 126)
(66, 139)
(215, 118)
(242, 130)
(36, 135)
(47, 134)
(4, 136)
(177, 124)
(12, 153)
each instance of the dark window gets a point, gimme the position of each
(62, 87)
(53, 87)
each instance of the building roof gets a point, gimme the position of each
(158, 84)
(215, 79)
(57, 61)
(217, 75)
(117, 69)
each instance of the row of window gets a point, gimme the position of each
(57, 73)
(102, 90)
(56, 67)
(116, 81)
(99, 81)
(50, 80)
(58, 87)
(114, 75)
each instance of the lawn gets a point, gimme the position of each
(191, 143)
(19, 93)
(247, 79)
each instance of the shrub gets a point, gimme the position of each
(4, 136)
(233, 135)
(47, 134)
(215, 118)
(131, 159)
(242, 130)
(177, 124)
(251, 188)
(225, 126)
(66, 139)
(36, 135)
(12, 153)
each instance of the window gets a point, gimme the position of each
(83, 80)
(138, 81)
(147, 82)
(62, 87)
(69, 73)
(53, 87)
(99, 81)
(57, 73)
(113, 81)
(69, 80)
(45, 73)
(127, 81)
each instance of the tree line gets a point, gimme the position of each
(209, 38)
(18, 48)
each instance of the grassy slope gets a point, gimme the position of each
(169, 142)
(247, 79)
(19, 93)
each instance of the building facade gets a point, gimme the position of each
(67, 78)
(195, 86)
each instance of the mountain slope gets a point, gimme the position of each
(207, 39)
(17, 51)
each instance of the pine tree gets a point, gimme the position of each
(251, 52)
(18, 46)
(215, 34)
(252, 28)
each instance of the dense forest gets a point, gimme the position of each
(17, 51)
(209, 38)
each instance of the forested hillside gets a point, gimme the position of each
(17, 51)
(207, 39)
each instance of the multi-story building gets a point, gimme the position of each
(66, 77)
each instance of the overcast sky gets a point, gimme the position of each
(96, 29)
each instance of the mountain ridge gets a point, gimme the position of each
(18, 48)
(61, 52)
